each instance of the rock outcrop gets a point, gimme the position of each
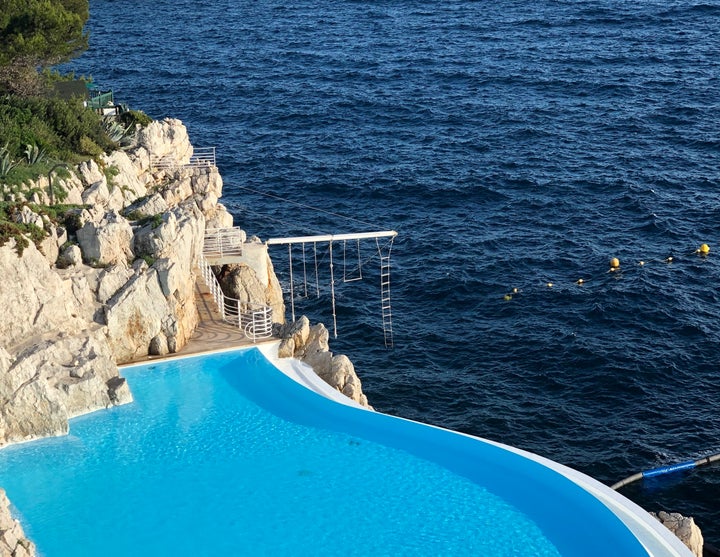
(684, 528)
(115, 282)
(13, 542)
(310, 344)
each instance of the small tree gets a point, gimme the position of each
(36, 34)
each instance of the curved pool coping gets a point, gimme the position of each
(656, 539)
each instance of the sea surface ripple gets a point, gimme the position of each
(512, 145)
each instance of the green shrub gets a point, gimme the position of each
(87, 146)
(130, 118)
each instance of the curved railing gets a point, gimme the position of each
(255, 320)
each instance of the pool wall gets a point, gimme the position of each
(601, 522)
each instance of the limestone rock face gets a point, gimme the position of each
(13, 542)
(684, 528)
(135, 315)
(107, 241)
(166, 138)
(35, 300)
(310, 344)
(149, 206)
(90, 173)
(70, 256)
(131, 181)
(218, 217)
(53, 380)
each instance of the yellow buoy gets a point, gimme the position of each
(704, 249)
(614, 263)
(549, 284)
(507, 297)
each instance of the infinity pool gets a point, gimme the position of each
(226, 455)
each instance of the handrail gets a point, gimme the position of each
(221, 242)
(255, 320)
(202, 157)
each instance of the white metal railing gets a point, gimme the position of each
(255, 320)
(202, 157)
(222, 242)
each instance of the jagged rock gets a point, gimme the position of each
(53, 380)
(70, 256)
(218, 217)
(154, 238)
(254, 280)
(127, 178)
(159, 345)
(111, 280)
(239, 281)
(26, 216)
(166, 138)
(108, 241)
(35, 299)
(49, 245)
(90, 173)
(62, 236)
(310, 344)
(286, 348)
(298, 331)
(149, 206)
(97, 194)
(118, 390)
(135, 315)
(13, 542)
(318, 339)
(684, 528)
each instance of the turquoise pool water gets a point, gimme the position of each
(225, 455)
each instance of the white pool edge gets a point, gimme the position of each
(655, 538)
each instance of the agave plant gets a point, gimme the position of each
(7, 163)
(34, 154)
(115, 131)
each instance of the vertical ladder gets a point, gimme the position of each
(385, 296)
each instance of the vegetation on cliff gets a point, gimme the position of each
(38, 34)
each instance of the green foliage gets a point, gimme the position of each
(131, 118)
(114, 130)
(36, 34)
(88, 147)
(21, 233)
(154, 220)
(7, 163)
(34, 154)
(55, 126)
(149, 259)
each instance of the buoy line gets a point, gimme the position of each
(614, 267)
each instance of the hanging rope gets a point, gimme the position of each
(332, 290)
(383, 253)
(347, 277)
(304, 270)
(317, 278)
(292, 291)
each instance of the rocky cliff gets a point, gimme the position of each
(113, 281)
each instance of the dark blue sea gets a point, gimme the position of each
(512, 144)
